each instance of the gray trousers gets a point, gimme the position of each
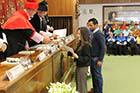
(81, 82)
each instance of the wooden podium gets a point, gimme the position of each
(34, 80)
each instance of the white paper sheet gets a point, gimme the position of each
(60, 32)
(67, 48)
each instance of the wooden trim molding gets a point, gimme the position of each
(107, 1)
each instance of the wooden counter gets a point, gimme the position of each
(35, 79)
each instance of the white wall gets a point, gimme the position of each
(97, 12)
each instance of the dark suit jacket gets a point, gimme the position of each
(98, 45)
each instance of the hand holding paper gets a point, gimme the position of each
(67, 48)
(75, 55)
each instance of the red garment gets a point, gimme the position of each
(123, 27)
(19, 20)
(18, 29)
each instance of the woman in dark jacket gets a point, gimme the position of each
(82, 57)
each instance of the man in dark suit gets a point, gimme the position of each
(40, 23)
(98, 52)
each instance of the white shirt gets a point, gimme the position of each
(96, 30)
(3, 40)
(126, 32)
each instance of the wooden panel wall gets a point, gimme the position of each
(64, 9)
(107, 1)
(60, 7)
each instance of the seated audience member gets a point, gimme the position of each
(106, 26)
(123, 26)
(109, 30)
(131, 26)
(117, 31)
(126, 31)
(137, 33)
(3, 44)
(135, 30)
(132, 43)
(114, 26)
(111, 43)
(121, 44)
(138, 42)
(18, 29)
(139, 25)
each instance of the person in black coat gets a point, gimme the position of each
(40, 23)
(82, 57)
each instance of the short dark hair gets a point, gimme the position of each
(94, 21)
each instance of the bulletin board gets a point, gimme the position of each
(121, 13)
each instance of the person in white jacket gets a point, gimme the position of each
(3, 45)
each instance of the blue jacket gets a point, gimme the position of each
(121, 39)
(131, 40)
(110, 41)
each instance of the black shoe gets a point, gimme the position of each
(91, 91)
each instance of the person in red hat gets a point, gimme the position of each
(18, 29)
